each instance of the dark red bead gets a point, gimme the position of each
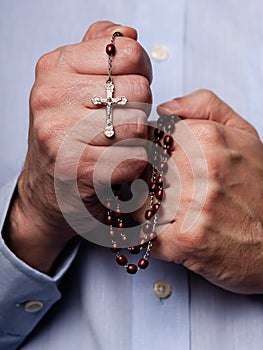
(117, 34)
(115, 250)
(149, 214)
(156, 207)
(163, 120)
(170, 127)
(142, 242)
(152, 236)
(143, 263)
(159, 181)
(125, 241)
(147, 227)
(120, 224)
(121, 260)
(145, 244)
(157, 146)
(168, 140)
(118, 213)
(163, 167)
(156, 158)
(159, 194)
(132, 269)
(108, 204)
(134, 249)
(166, 153)
(110, 49)
(158, 134)
(112, 233)
(109, 219)
(153, 187)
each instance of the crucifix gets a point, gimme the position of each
(109, 101)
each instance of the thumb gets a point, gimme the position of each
(107, 28)
(204, 104)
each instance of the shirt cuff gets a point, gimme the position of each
(25, 293)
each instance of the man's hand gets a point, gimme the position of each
(66, 81)
(216, 230)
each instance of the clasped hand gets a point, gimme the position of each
(224, 243)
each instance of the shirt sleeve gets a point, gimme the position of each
(25, 294)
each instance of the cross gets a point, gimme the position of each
(109, 101)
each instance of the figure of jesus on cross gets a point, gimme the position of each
(109, 101)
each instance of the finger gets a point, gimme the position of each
(129, 125)
(79, 90)
(204, 104)
(135, 88)
(112, 165)
(106, 28)
(90, 58)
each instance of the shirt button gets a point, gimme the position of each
(33, 306)
(162, 289)
(159, 53)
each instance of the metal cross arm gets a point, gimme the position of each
(109, 101)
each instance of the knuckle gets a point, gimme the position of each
(65, 56)
(49, 95)
(133, 50)
(208, 133)
(41, 97)
(142, 89)
(46, 133)
(207, 96)
(46, 62)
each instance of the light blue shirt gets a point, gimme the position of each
(211, 44)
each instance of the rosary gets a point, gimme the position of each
(158, 158)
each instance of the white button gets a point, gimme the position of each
(162, 289)
(33, 306)
(159, 53)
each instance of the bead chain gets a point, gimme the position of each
(159, 156)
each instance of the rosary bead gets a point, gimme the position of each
(142, 242)
(153, 187)
(121, 260)
(156, 158)
(156, 207)
(109, 219)
(134, 249)
(157, 146)
(159, 194)
(118, 213)
(132, 269)
(147, 227)
(120, 224)
(143, 263)
(125, 240)
(112, 233)
(158, 133)
(168, 140)
(159, 181)
(166, 152)
(170, 127)
(149, 214)
(153, 236)
(163, 167)
(163, 120)
(115, 250)
(145, 244)
(108, 204)
(110, 49)
(117, 34)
